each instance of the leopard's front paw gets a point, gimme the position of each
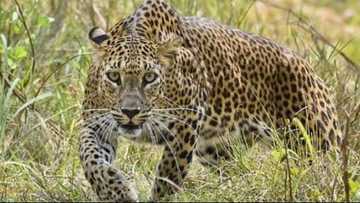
(128, 194)
(111, 184)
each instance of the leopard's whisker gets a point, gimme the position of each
(102, 123)
(152, 134)
(106, 131)
(167, 143)
(93, 118)
(170, 116)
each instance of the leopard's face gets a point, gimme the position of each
(131, 81)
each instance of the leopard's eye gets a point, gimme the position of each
(150, 77)
(114, 77)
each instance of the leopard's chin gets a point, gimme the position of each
(130, 131)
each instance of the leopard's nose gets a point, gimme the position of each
(130, 112)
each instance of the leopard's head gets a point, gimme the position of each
(133, 75)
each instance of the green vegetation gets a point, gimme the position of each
(44, 57)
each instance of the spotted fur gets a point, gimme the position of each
(187, 83)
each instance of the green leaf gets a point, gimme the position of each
(18, 53)
(11, 63)
(3, 52)
(17, 28)
(354, 186)
(304, 133)
(44, 21)
(278, 154)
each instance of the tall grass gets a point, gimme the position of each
(40, 105)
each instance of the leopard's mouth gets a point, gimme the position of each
(130, 126)
(130, 130)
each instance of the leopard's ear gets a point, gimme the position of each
(98, 36)
(168, 49)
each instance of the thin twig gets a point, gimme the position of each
(22, 18)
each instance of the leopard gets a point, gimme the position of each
(188, 83)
